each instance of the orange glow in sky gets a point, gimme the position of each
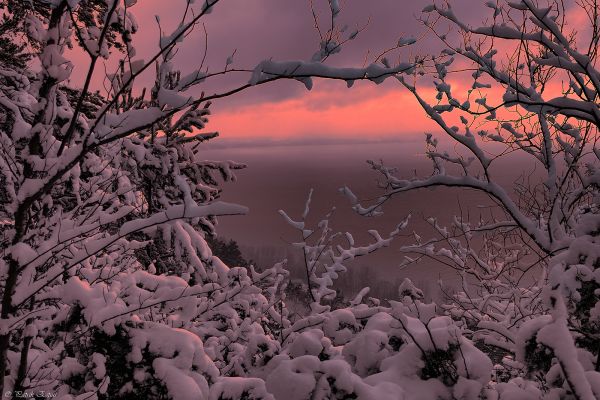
(330, 111)
(364, 112)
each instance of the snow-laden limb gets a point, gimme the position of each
(493, 189)
(325, 256)
(303, 71)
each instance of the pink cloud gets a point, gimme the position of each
(363, 112)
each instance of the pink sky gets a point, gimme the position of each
(364, 111)
(282, 29)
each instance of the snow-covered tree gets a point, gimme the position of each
(530, 269)
(108, 286)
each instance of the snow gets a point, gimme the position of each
(293, 379)
(232, 388)
(22, 253)
(376, 73)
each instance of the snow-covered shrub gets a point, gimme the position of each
(405, 351)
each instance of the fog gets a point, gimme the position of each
(280, 175)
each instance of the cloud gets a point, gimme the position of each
(365, 112)
(283, 29)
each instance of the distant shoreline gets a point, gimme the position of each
(230, 143)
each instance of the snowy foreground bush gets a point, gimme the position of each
(109, 289)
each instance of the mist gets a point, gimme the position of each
(280, 174)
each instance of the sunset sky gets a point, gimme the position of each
(284, 30)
